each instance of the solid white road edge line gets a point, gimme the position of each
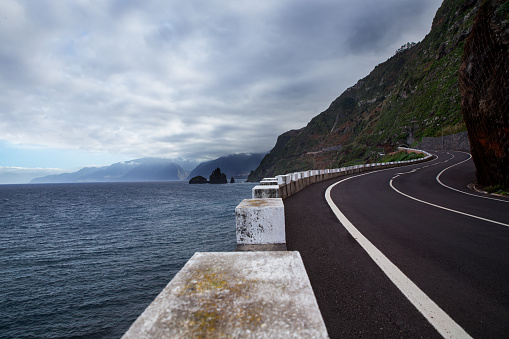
(454, 189)
(440, 320)
(444, 208)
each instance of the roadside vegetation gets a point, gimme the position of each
(498, 189)
(401, 156)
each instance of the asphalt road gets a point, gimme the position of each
(451, 242)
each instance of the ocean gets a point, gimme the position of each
(85, 260)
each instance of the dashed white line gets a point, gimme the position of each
(440, 320)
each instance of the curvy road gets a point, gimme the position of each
(408, 252)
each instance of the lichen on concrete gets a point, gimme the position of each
(235, 295)
(260, 221)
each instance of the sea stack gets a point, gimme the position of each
(217, 177)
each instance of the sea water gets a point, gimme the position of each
(84, 260)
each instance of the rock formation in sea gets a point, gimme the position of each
(217, 177)
(198, 180)
(233, 165)
(484, 85)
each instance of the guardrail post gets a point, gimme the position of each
(260, 222)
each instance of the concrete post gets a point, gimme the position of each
(235, 295)
(265, 191)
(268, 181)
(260, 221)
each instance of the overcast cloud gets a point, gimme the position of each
(193, 79)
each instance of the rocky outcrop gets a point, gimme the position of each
(217, 177)
(198, 180)
(484, 85)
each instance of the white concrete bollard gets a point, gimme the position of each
(269, 181)
(265, 191)
(280, 179)
(260, 221)
(288, 178)
(237, 295)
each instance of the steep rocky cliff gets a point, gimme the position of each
(484, 83)
(412, 95)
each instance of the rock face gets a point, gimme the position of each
(198, 180)
(217, 177)
(484, 85)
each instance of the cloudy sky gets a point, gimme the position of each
(93, 82)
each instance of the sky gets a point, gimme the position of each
(89, 83)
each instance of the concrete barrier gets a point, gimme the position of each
(248, 294)
(235, 295)
(290, 184)
(269, 182)
(260, 222)
(265, 191)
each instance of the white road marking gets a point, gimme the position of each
(454, 189)
(440, 320)
(444, 208)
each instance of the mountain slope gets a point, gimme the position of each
(234, 165)
(413, 94)
(145, 169)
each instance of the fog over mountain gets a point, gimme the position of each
(144, 169)
(158, 169)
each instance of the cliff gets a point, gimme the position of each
(484, 83)
(412, 95)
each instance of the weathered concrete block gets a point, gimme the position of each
(283, 191)
(265, 191)
(260, 221)
(235, 295)
(293, 187)
(280, 179)
(312, 178)
(287, 178)
(269, 182)
(305, 178)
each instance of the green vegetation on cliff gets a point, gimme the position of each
(412, 95)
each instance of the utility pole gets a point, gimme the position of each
(443, 144)
(443, 147)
